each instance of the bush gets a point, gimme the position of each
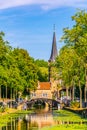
(2, 108)
(75, 104)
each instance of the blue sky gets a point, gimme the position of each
(29, 24)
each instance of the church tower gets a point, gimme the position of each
(54, 49)
(53, 55)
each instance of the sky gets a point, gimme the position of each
(28, 24)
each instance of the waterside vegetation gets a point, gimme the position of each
(66, 120)
(72, 59)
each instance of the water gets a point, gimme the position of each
(35, 121)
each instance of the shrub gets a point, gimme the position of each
(75, 104)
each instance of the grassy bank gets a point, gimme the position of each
(66, 127)
(65, 115)
(63, 119)
(11, 114)
(66, 120)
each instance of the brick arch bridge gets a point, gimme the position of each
(51, 102)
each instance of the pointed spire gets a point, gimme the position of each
(54, 27)
(54, 48)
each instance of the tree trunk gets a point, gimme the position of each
(80, 94)
(85, 89)
(6, 92)
(0, 92)
(73, 91)
(67, 92)
(11, 94)
(3, 93)
(14, 93)
(70, 93)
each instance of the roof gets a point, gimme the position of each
(54, 49)
(44, 86)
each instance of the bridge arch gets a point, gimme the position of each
(51, 103)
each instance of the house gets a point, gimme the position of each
(46, 89)
(43, 91)
(49, 89)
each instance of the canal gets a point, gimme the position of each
(46, 120)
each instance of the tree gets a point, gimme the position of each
(4, 51)
(76, 37)
(66, 64)
(27, 69)
(18, 70)
(42, 67)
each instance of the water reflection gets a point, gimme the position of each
(34, 121)
(30, 122)
(41, 120)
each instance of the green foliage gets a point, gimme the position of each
(41, 63)
(42, 74)
(2, 109)
(72, 59)
(17, 69)
(42, 70)
(74, 104)
(66, 127)
(27, 69)
(63, 118)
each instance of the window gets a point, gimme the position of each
(33, 94)
(44, 94)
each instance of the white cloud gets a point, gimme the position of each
(44, 4)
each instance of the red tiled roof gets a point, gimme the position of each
(44, 86)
